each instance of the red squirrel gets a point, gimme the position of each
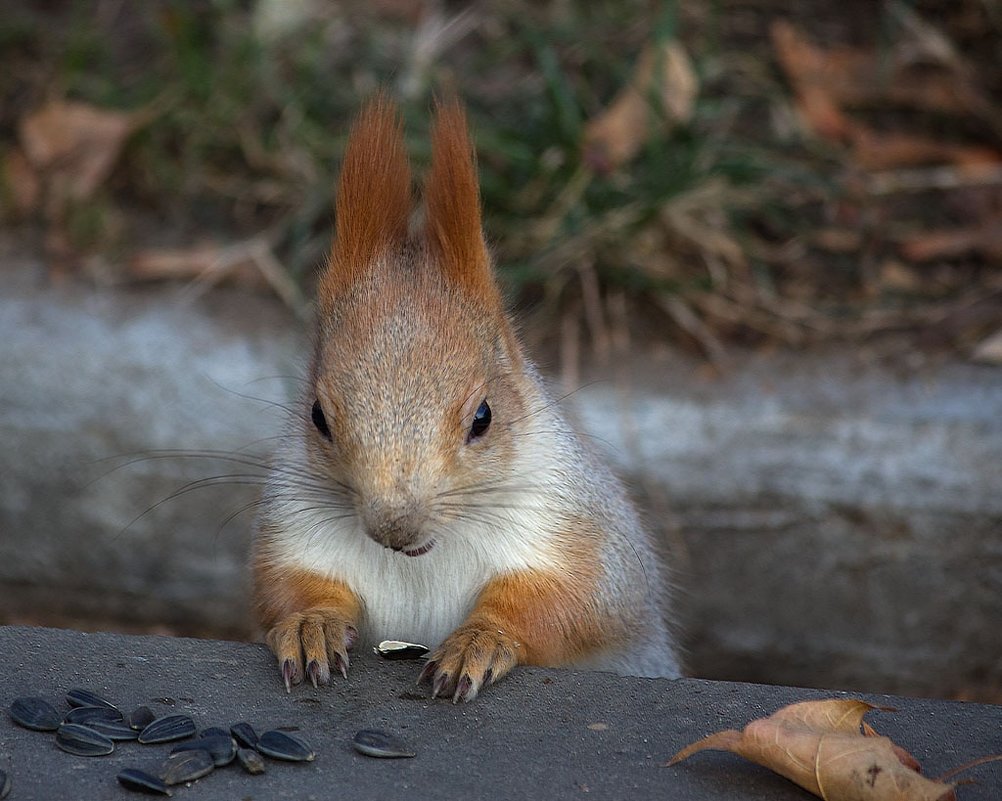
(429, 489)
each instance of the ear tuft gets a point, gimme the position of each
(452, 201)
(373, 202)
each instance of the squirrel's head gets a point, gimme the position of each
(415, 384)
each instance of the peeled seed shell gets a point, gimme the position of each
(168, 729)
(282, 745)
(77, 739)
(186, 766)
(250, 760)
(384, 745)
(34, 713)
(142, 782)
(397, 649)
(4, 784)
(78, 696)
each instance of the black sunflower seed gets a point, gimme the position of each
(244, 734)
(375, 743)
(142, 782)
(186, 766)
(34, 713)
(250, 760)
(82, 741)
(214, 731)
(89, 714)
(78, 696)
(282, 745)
(4, 784)
(222, 748)
(113, 729)
(167, 729)
(140, 717)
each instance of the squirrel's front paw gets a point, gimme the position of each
(470, 658)
(312, 641)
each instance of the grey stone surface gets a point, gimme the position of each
(830, 522)
(531, 736)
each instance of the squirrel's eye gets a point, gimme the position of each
(320, 421)
(481, 420)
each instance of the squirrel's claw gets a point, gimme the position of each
(289, 674)
(318, 638)
(470, 659)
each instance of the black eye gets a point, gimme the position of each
(481, 420)
(320, 421)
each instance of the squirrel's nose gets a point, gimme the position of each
(395, 526)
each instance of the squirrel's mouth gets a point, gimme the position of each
(420, 551)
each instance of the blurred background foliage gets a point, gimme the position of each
(762, 195)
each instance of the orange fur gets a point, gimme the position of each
(452, 200)
(283, 591)
(549, 614)
(373, 203)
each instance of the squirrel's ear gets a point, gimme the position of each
(452, 201)
(373, 202)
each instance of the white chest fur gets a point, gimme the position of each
(419, 599)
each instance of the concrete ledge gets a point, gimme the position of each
(531, 736)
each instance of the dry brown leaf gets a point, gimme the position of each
(989, 351)
(617, 134)
(73, 146)
(827, 80)
(819, 745)
(874, 150)
(812, 77)
(985, 238)
(20, 183)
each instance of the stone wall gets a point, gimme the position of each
(830, 522)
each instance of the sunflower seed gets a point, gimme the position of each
(222, 748)
(4, 784)
(250, 760)
(78, 696)
(113, 729)
(140, 717)
(397, 649)
(282, 745)
(34, 713)
(142, 782)
(214, 731)
(82, 741)
(89, 714)
(166, 729)
(186, 766)
(375, 743)
(244, 734)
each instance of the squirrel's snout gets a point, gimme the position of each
(396, 527)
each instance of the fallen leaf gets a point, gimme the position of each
(73, 146)
(825, 81)
(988, 351)
(873, 150)
(616, 135)
(821, 746)
(20, 183)
(985, 238)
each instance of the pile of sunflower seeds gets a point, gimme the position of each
(93, 725)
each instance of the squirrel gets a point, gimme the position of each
(429, 488)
